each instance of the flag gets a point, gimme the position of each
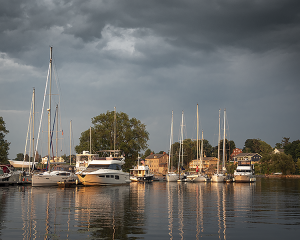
(197, 169)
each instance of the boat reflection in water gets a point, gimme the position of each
(161, 210)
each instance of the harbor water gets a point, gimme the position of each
(266, 209)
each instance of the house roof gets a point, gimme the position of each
(154, 156)
(247, 154)
(206, 158)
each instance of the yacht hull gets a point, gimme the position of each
(104, 178)
(218, 178)
(47, 180)
(244, 178)
(172, 177)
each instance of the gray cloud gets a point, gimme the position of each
(148, 58)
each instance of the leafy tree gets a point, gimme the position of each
(131, 135)
(147, 153)
(277, 163)
(257, 146)
(4, 144)
(293, 149)
(20, 157)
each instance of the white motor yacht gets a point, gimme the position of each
(104, 171)
(244, 172)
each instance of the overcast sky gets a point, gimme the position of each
(147, 58)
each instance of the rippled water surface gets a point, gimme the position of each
(267, 209)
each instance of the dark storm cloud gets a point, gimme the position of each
(151, 57)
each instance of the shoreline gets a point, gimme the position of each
(282, 176)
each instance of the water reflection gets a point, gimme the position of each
(157, 210)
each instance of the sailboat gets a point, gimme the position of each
(198, 177)
(219, 176)
(171, 176)
(27, 164)
(59, 173)
(181, 176)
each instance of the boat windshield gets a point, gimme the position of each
(104, 166)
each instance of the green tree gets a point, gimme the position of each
(257, 146)
(277, 163)
(20, 157)
(147, 153)
(4, 144)
(131, 136)
(293, 149)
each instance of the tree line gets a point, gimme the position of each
(116, 130)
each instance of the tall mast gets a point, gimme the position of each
(201, 153)
(49, 111)
(56, 131)
(171, 143)
(33, 106)
(115, 132)
(223, 163)
(197, 135)
(219, 143)
(90, 140)
(70, 142)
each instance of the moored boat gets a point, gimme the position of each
(104, 171)
(141, 173)
(244, 172)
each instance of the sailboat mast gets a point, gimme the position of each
(70, 142)
(33, 106)
(49, 111)
(223, 163)
(90, 140)
(219, 143)
(197, 135)
(171, 143)
(115, 132)
(57, 131)
(201, 153)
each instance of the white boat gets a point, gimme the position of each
(181, 175)
(198, 176)
(3, 175)
(21, 164)
(104, 171)
(58, 174)
(244, 172)
(141, 173)
(84, 159)
(171, 176)
(219, 176)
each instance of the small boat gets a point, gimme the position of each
(105, 171)
(141, 173)
(244, 172)
(220, 176)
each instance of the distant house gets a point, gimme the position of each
(207, 163)
(253, 157)
(276, 151)
(235, 152)
(157, 163)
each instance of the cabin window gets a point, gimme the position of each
(117, 177)
(107, 176)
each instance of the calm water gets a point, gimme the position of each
(267, 209)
